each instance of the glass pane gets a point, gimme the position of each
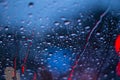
(59, 39)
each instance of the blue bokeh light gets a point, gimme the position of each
(60, 60)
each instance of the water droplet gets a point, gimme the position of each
(30, 4)
(56, 23)
(6, 28)
(87, 27)
(0, 42)
(61, 36)
(98, 34)
(66, 22)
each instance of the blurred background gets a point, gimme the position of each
(45, 39)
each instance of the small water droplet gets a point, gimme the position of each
(66, 22)
(56, 23)
(0, 42)
(30, 4)
(6, 28)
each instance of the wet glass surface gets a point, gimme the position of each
(59, 39)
